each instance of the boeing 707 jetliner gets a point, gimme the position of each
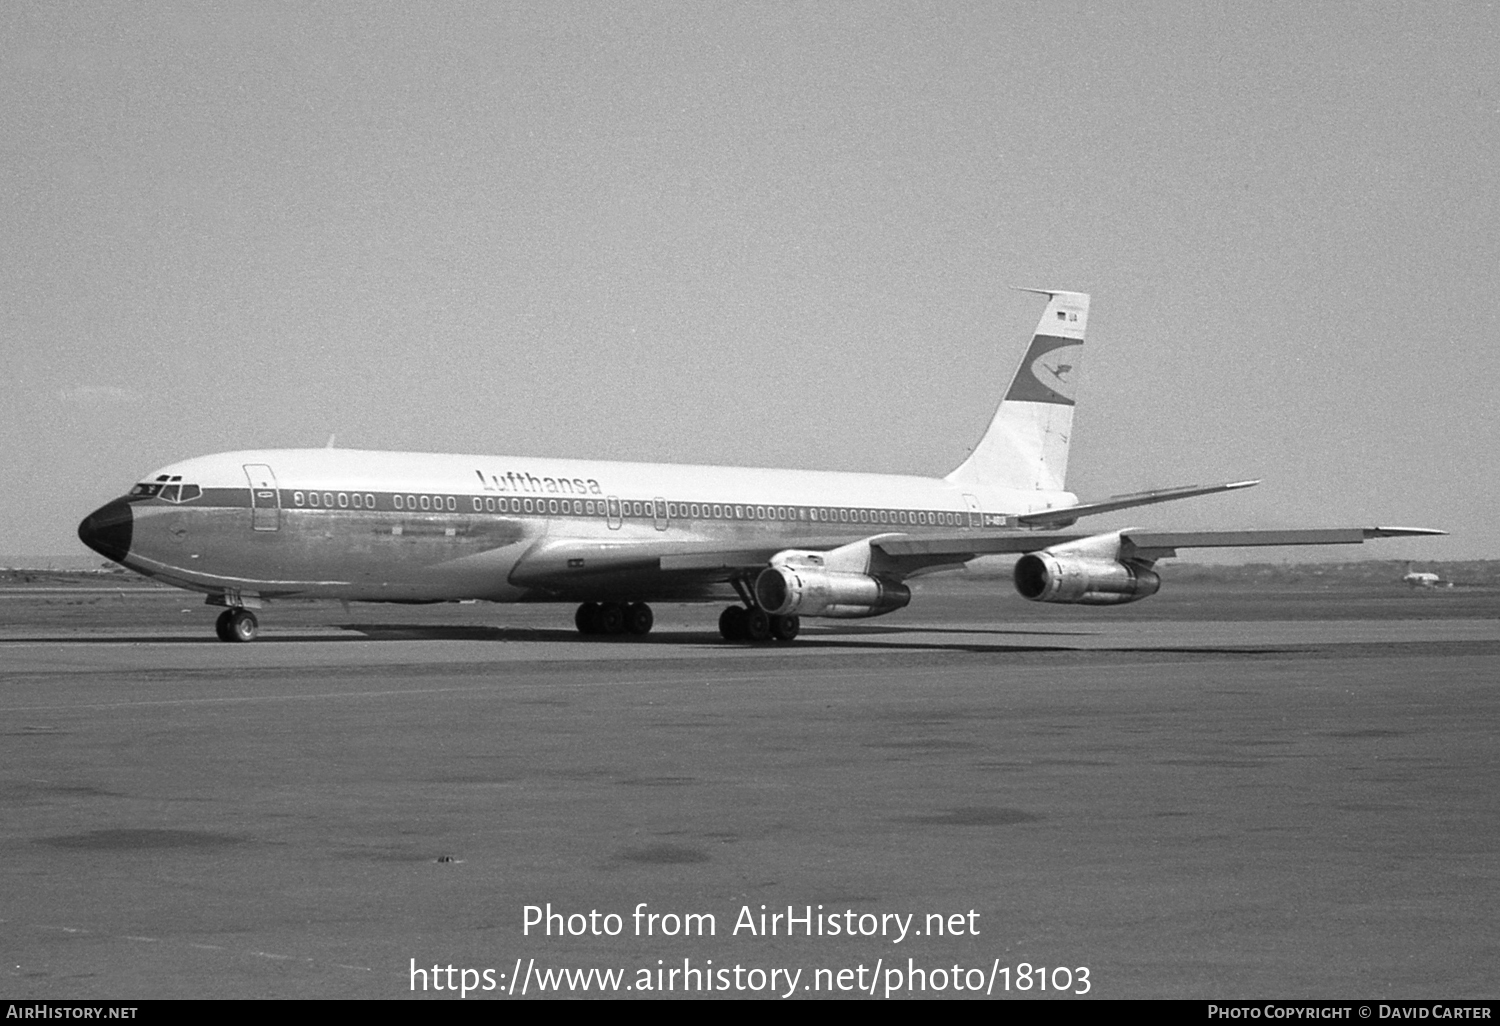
(248, 527)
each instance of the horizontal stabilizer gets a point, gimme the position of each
(1068, 514)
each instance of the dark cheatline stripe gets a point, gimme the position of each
(385, 503)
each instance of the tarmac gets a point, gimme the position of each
(993, 800)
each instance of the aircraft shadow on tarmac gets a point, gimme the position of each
(851, 637)
(856, 638)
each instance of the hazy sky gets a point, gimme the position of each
(759, 233)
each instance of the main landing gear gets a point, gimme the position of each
(237, 624)
(752, 623)
(614, 618)
(738, 623)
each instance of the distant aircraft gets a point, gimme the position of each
(247, 527)
(1424, 579)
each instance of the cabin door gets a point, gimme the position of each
(265, 497)
(976, 518)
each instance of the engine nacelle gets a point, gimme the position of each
(803, 591)
(1049, 576)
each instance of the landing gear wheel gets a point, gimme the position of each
(587, 618)
(611, 618)
(237, 625)
(757, 625)
(732, 623)
(785, 628)
(639, 618)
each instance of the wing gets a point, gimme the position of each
(666, 569)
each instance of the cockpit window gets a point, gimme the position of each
(170, 492)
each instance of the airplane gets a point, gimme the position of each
(254, 526)
(1424, 579)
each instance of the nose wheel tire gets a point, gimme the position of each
(237, 625)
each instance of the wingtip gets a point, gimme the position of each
(1402, 532)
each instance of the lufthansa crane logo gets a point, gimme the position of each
(1056, 371)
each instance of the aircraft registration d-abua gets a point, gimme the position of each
(248, 527)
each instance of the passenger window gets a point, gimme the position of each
(343, 500)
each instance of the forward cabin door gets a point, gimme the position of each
(265, 497)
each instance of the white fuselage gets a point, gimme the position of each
(413, 527)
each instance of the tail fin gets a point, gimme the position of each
(1026, 446)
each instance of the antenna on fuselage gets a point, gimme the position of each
(331, 438)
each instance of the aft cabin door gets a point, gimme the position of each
(976, 517)
(612, 515)
(265, 497)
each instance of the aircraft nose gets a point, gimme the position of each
(108, 529)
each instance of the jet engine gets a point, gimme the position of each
(803, 591)
(1052, 576)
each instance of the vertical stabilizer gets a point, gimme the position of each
(1026, 446)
